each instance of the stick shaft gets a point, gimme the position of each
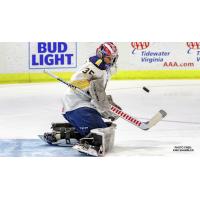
(115, 110)
(68, 84)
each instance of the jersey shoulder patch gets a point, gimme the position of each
(97, 62)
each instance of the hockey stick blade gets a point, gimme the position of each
(155, 119)
(142, 125)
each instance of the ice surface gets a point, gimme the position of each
(27, 110)
(34, 148)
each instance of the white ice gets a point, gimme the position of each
(27, 110)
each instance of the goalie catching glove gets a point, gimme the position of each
(101, 101)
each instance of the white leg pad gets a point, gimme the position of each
(108, 137)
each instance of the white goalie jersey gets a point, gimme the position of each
(72, 100)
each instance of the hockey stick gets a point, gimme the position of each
(142, 125)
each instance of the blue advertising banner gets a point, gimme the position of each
(52, 55)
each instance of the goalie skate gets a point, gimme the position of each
(60, 143)
(68, 137)
(87, 149)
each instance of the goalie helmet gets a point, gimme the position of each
(108, 49)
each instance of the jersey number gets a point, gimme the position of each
(87, 70)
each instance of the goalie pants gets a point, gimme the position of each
(85, 119)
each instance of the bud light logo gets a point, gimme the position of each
(51, 55)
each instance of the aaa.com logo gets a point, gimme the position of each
(139, 46)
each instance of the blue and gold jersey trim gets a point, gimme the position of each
(99, 63)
